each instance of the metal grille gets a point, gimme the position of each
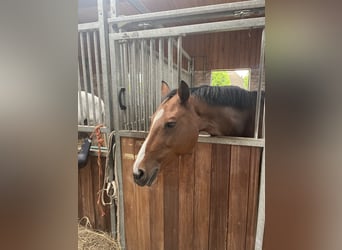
(90, 86)
(141, 66)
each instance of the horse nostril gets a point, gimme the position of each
(139, 175)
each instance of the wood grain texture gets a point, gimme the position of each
(171, 206)
(225, 50)
(219, 196)
(238, 197)
(202, 195)
(130, 213)
(186, 202)
(253, 196)
(86, 191)
(142, 204)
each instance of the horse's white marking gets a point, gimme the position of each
(141, 153)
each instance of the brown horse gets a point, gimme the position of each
(185, 112)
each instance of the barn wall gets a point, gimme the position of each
(88, 187)
(224, 50)
(206, 200)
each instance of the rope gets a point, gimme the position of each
(100, 142)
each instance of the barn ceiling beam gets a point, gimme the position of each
(232, 25)
(237, 9)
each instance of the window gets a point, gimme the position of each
(236, 77)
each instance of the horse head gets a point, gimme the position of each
(173, 132)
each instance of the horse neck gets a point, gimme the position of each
(222, 120)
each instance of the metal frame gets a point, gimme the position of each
(195, 13)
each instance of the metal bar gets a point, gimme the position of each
(152, 82)
(85, 79)
(261, 207)
(114, 79)
(231, 25)
(97, 72)
(91, 73)
(133, 74)
(263, 123)
(80, 102)
(143, 83)
(88, 26)
(179, 58)
(261, 72)
(186, 55)
(105, 63)
(161, 66)
(113, 8)
(170, 60)
(242, 141)
(126, 83)
(194, 11)
(138, 72)
(107, 91)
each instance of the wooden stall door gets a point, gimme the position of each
(206, 200)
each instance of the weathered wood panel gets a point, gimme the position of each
(206, 200)
(238, 195)
(219, 197)
(88, 187)
(202, 195)
(225, 50)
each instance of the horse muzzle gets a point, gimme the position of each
(142, 178)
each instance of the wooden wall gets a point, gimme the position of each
(88, 187)
(206, 200)
(225, 50)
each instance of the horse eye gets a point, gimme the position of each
(170, 124)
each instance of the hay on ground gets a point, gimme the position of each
(89, 239)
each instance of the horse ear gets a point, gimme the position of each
(183, 92)
(165, 89)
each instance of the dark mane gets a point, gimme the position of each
(223, 96)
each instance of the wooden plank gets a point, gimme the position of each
(87, 193)
(157, 213)
(171, 204)
(219, 196)
(101, 222)
(142, 203)
(186, 202)
(130, 215)
(253, 195)
(202, 195)
(238, 196)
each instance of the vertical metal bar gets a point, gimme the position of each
(137, 63)
(179, 59)
(114, 80)
(80, 101)
(105, 62)
(143, 83)
(263, 122)
(107, 92)
(134, 84)
(85, 79)
(161, 65)
(126, 82)
(152, 83)
(91, 73)
(146, 84)
(121, 83)
(261, 72)
(261, 207)
(97, 72)
(169, 60)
